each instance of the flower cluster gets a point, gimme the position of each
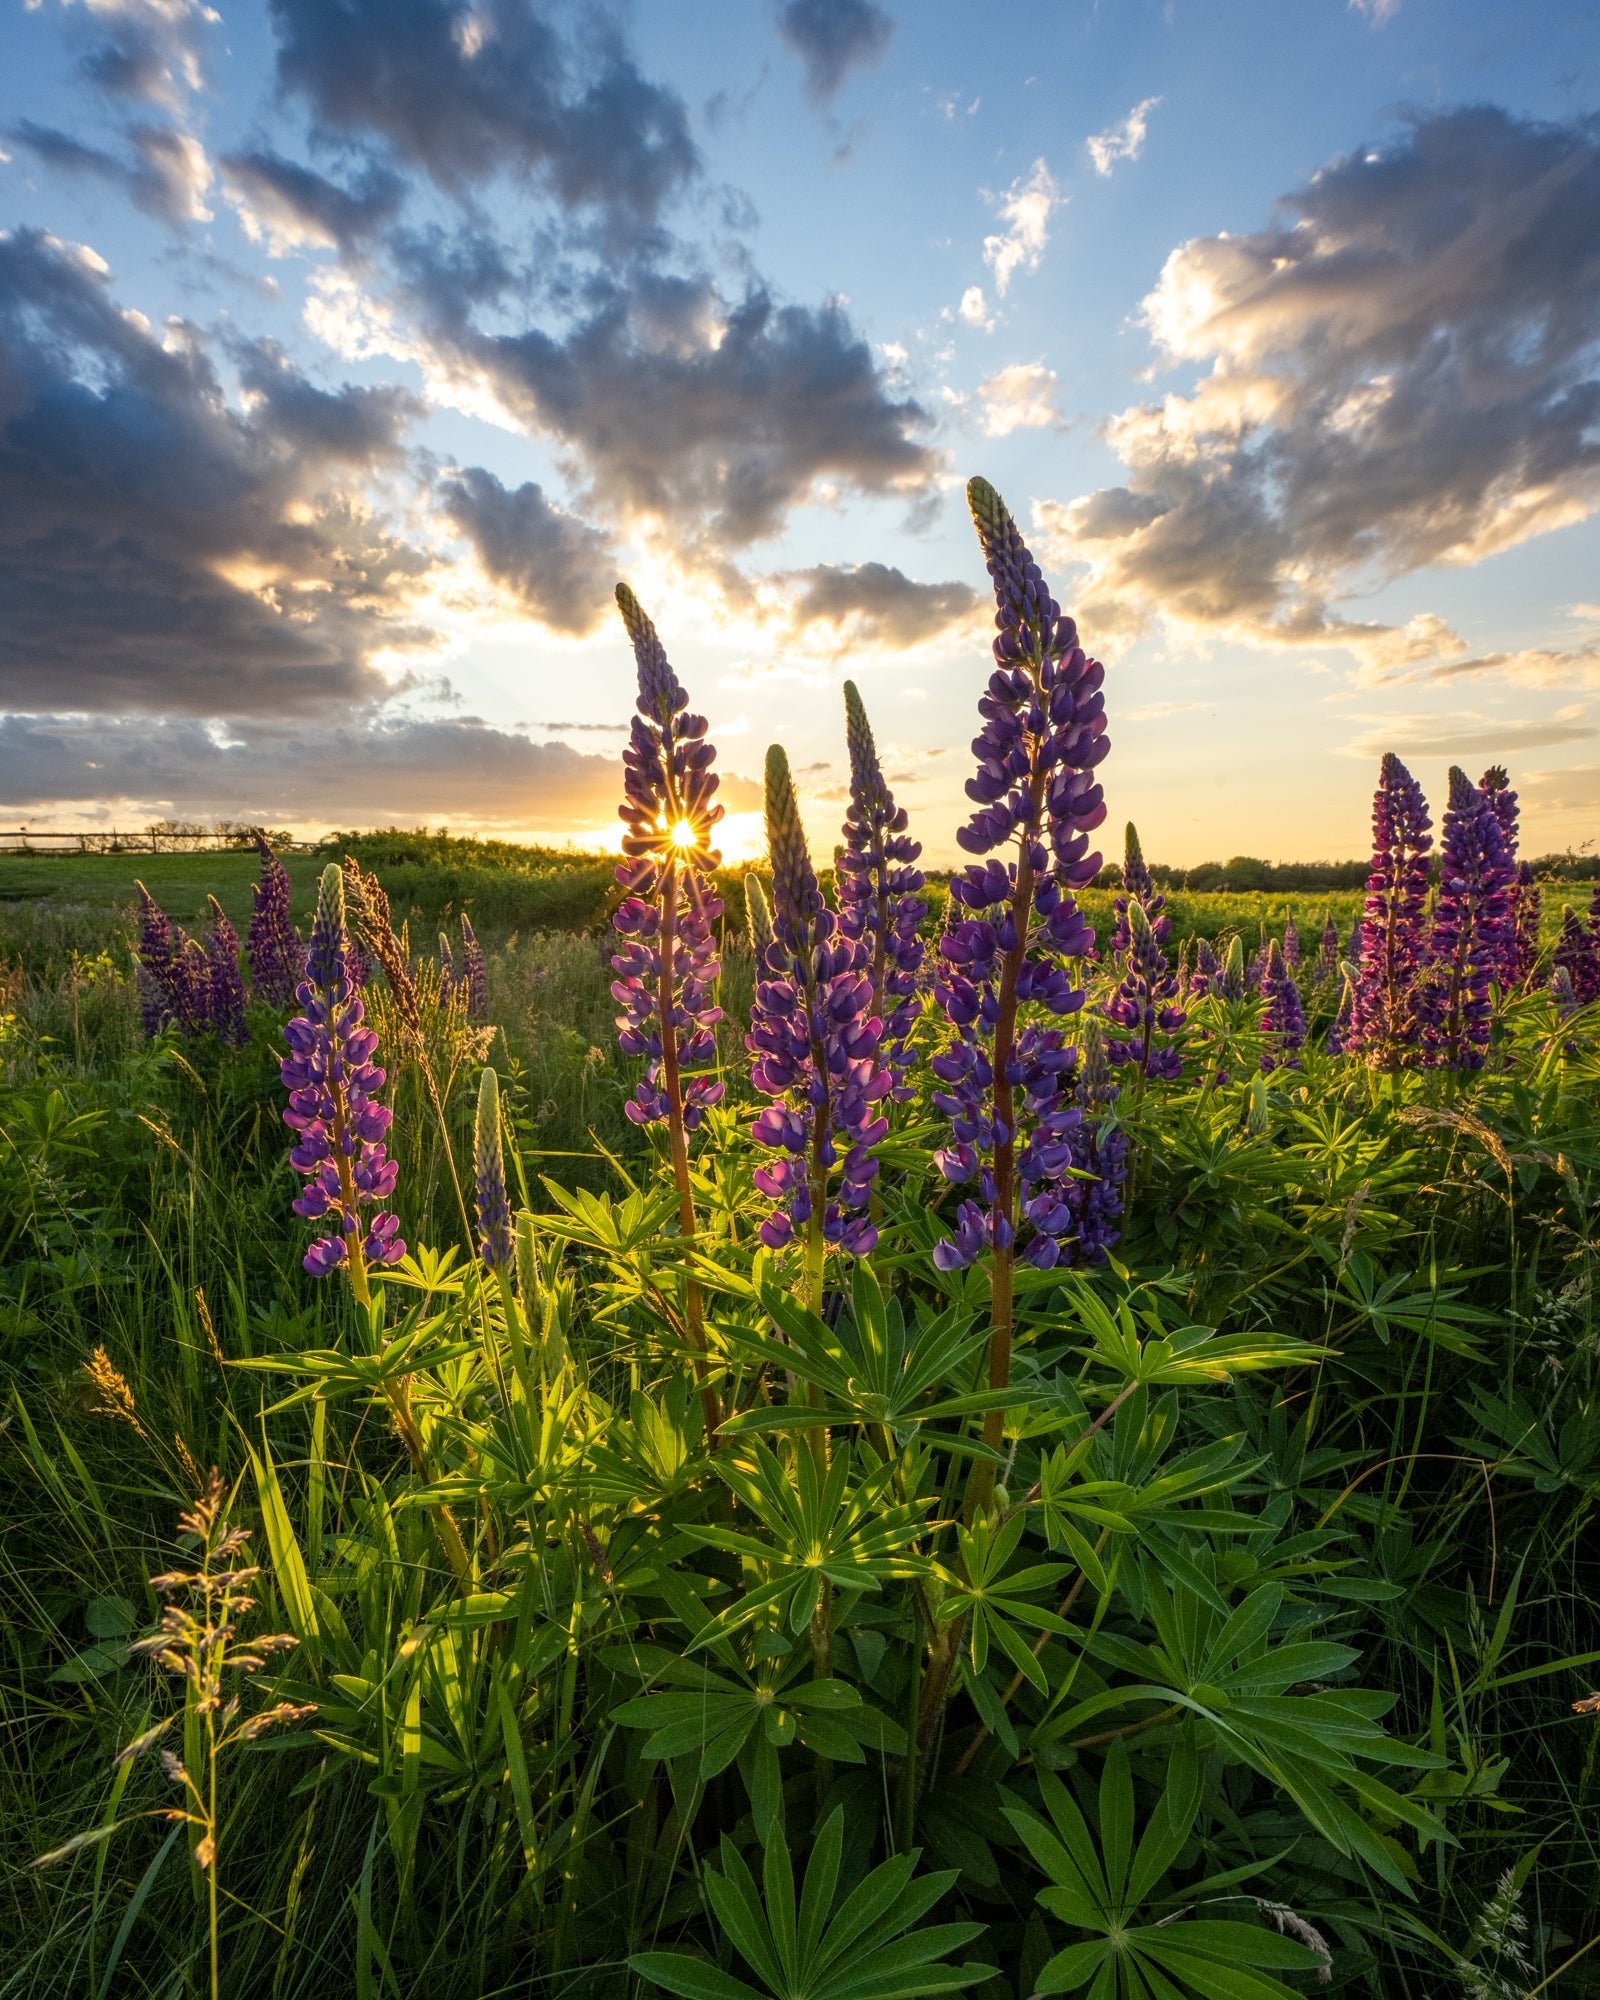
(1578, 956)
(225, 995)
(1138, 885)
(1099, 1149)
(1327, 966)
(1015, 926)
(815, 1041)
(1283, 1019)
(667, 963)
(1207, 970)
(1472, 928)
(1526, 908)
(1393, 948)
(1145, 1004)
(272, 944)
(333, 1083)
(879, 891)
(190, 984)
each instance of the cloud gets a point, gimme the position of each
(1018, 398)
(555, 565)
(1530, 666)
(151, 50)
(469, 91)
(1122, 142)
(1468, 733)
(832, 38)
(165, 549)
(366, 770)
(874, 604)
(974, 309)
(1025, 209)
(1156, 711)
(1376, 11)
(1400, 370)
(289, 207)
(167, 176)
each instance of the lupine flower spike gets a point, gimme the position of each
(1383, 1025)
(272, 944)
(1138, 885)
(226, 994)
(1327, 968)
(1207, 970)
(1291, 945)
(758, 915)
(1145, 1004)
(333, 1108)
(1472, 929)
(815, 1043)
(879, 892)
(155, 963)
(495, 1246)
(1283, 1019)
(474, 972)
(666, 963)
(1577, 957)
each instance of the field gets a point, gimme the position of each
(682, 1609)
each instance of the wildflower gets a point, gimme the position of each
(226, 988)
(1291, 945)
(1138, 885)
(1471, 929)
(1283, 1020)
(758, 915)
(1145, 1003)
(1231, 985)
(333, 1083)
(474, 973)
(495, 1246)
(1207, 970)
(154, 951)
(815, 1043)
(1383, 1018)
(272, 944)
(878, 887)
(1013, 929)
(1327, 967)
(1576, 955)
(1525, 912)
(1099, 1148)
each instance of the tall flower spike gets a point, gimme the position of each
(1231, 985)
(1383, 1025)
(1145, 1004)
(815, 1039)
(879, 892)
(1526, 902)
(1577, 956)
(272, 944)
(1283, 1019)
(1207, 970)
(474, 972)
(1099, 1149)
(1472, 929)
(757, 915)
(333, 1108)
(1138, 885)
(1327, 968)
(154, 951)
(495, 1244)
(226, 986)
(1291, 945)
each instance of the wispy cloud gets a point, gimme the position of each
(1121, 142)
(1467, 733)
(1018, 398)
(1025, 209)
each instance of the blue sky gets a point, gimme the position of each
(351, 349)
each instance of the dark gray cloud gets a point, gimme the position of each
(833, 37)
(289, 205)
(1403, 370)
(369, 769)
(166, 172)
(556, 565)
(162, 549)
(149, 50)
(879, 604)
(467, 91)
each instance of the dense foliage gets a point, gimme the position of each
(990, 1468)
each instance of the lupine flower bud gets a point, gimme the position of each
(1384, 1022)
(474, 972)
(815, 1043)
(1472, 929)
(879, 892)
(1207, 970)
(1231, 986)
(333, 1109)
(226, 986)
(495, 1244)
(1283, 1020)
(272, 944)
(758, 914)
(1138, 885)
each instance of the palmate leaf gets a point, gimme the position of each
(815, 1947)
(1101, 1879)
(1138, 1347)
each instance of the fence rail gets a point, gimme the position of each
(43, 840)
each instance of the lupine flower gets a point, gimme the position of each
(1015, 927)
(1256, 971)
(154, 951)
(1383, 1017)
(474, 972)
(1099, 1147)
(1471, 928)
(272, 944)
(1145, 1004)
(1207, 970)
(878, 888)
(449, 978)
(1291, 945)
(333, 1109)
(1283, 1020)
(1526, 902)
(1327, 952)
(1339, 1027)
(495, 1245)
(1138, 885)
(226, 997)
(1576, 955)
(815, 1042)
(667, 964)
(1231, 986)
(758, 915)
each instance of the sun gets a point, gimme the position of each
(683, 834)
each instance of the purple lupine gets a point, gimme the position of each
(1207, 970)
(154, 951)
(272, 944)
(1526, 902)
(1099, 1148)
(1145, 1004)
(495, 1245)
(1283, 1019)
(449, 978)
(1256, 970)
(1138, 885)
(1576, 955)
(1014, 929)
(1327, 968)
(1495, 787)
(815, 1041)
(189, 984)
(227, 987)
(1471, 929)
(1339, 1027)
(1383, 1022)
(878, 887)
(1230, 985)
(1291, 945)
(333, 1108)
(474, 972)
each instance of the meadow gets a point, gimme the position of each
(951, 1458)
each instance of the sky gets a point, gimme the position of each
(352, 350)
